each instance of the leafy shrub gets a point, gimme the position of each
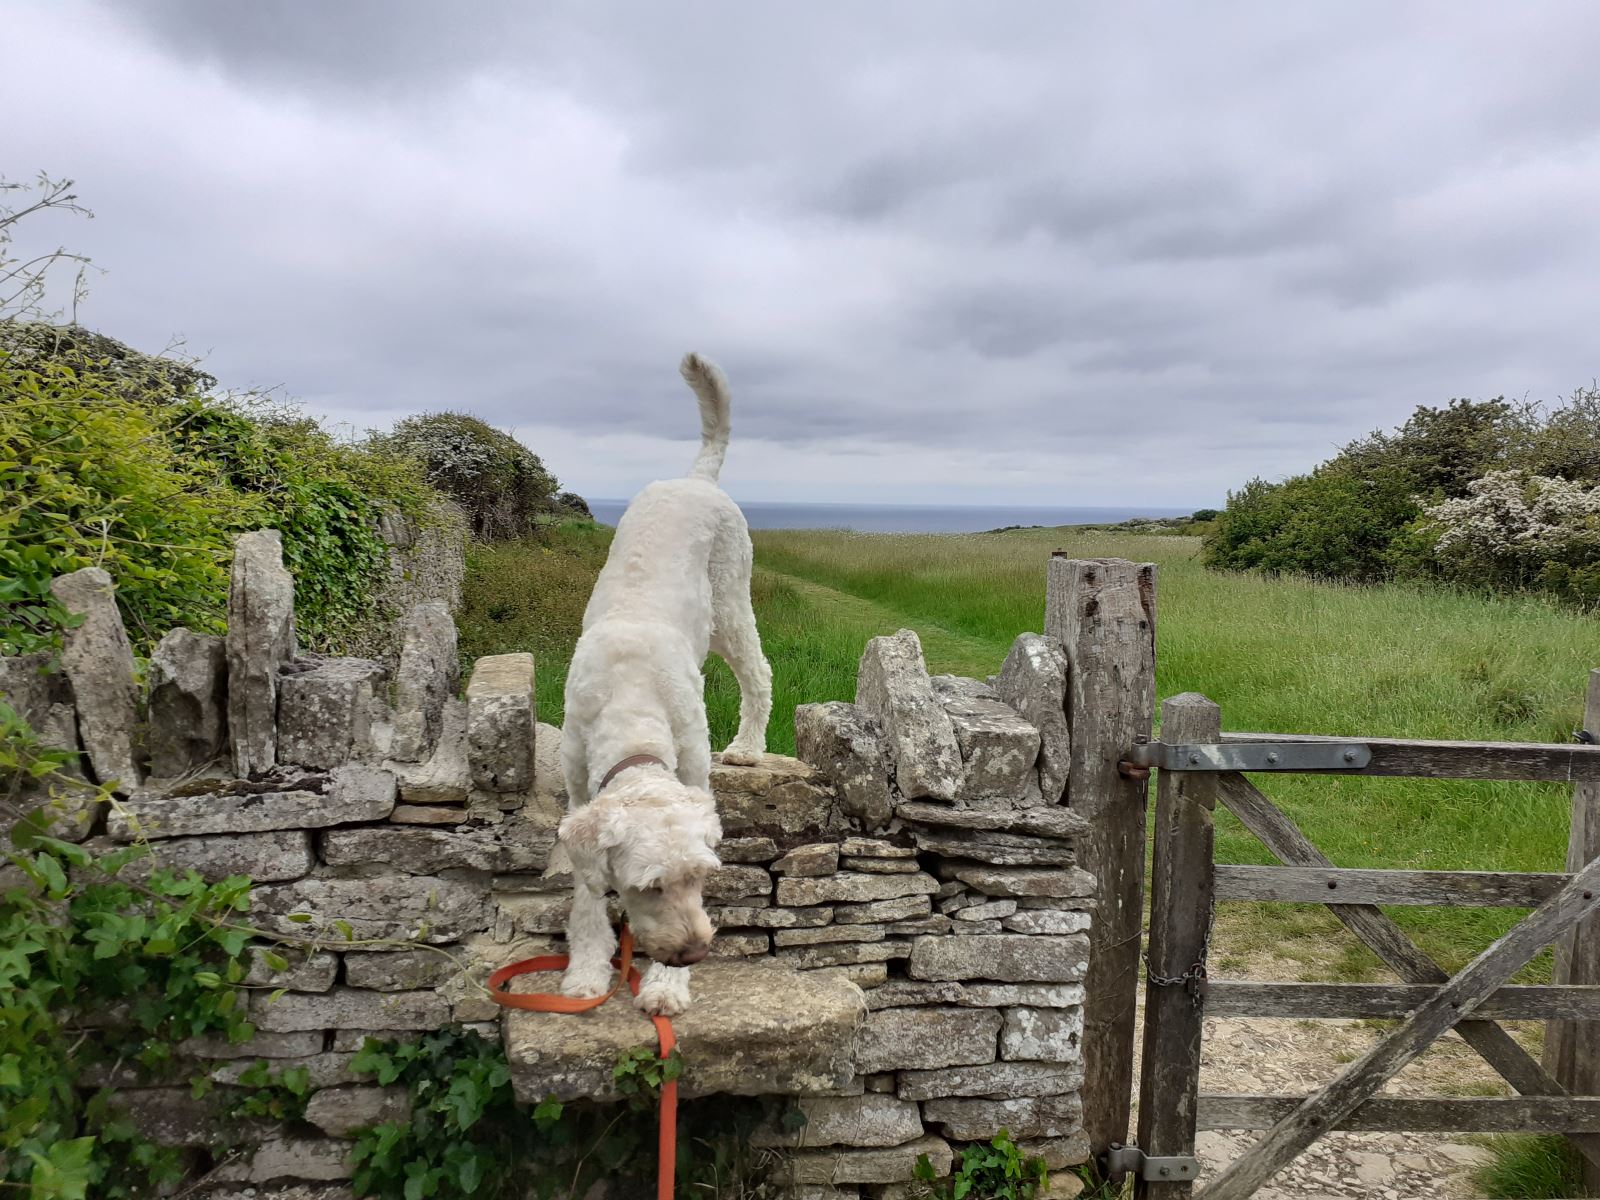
(1333, 523)
(503, 487)
(122, 460)
(79, 941)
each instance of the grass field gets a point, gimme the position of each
(1284, 655)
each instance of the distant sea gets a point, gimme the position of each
(910, 518)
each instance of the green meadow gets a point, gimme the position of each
(1285, 655)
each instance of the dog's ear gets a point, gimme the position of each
(589, 832)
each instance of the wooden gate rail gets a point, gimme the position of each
(1454, 889)
(1428, 1004)
(1377, 1001)
(1515, 1114)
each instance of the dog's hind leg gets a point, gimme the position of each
(664, 990)
(736, 640)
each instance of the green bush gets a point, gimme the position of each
(1340, 520)
(125, 461)
(500, 484)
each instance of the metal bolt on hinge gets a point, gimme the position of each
(1123, 1160)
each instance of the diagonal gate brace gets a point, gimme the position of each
(1325, 1108)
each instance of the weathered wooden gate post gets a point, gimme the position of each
(1103, 612)
(1180, 932)
(1572, 1048)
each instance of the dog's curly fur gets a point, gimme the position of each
(676, 585)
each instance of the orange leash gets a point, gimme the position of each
(667, 1143)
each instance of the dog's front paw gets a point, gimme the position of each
(664, 991)
(586, 982)
(741, 756)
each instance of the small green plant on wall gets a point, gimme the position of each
(997, 1170)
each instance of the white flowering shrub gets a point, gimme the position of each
(1516, 530)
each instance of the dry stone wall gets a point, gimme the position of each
(902, 922)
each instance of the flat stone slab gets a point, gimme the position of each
(1012, 882)
(1005, 957)
(992, 1081)
(272, 857)
(894, 1164)
(857, 889)
(416, 850)
(402, 907)
(1054, 822)
(346, 795)
(867, 1120)
(753, 1029)
(927, 1038)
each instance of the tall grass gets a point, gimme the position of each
(1276, 654)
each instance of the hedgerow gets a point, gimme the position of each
(131, 462)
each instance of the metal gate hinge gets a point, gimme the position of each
(1250, 756)
(1123, 1160)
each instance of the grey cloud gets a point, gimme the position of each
(927, 240)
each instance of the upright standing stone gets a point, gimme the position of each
(1103, 612)
(260, 642)
(893, 685)
(500, 722)
(430, 674)
(43, 699)
(325, 713)
(188, 702)
(98, 662)
(1033, 680)
(845, 744)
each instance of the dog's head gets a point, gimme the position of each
(653, 841)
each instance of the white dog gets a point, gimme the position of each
(635, 750)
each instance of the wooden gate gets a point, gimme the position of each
(1199, 766)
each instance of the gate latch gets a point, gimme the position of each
(1123, 1160)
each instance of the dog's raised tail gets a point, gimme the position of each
(711, 389)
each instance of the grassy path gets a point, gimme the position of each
(947, 651)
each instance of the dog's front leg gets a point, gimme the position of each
(590, 942)
(664, 990)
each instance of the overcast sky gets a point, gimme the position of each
(947, 253)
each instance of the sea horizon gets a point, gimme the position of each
(916, 518)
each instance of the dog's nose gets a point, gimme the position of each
(690, 955)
